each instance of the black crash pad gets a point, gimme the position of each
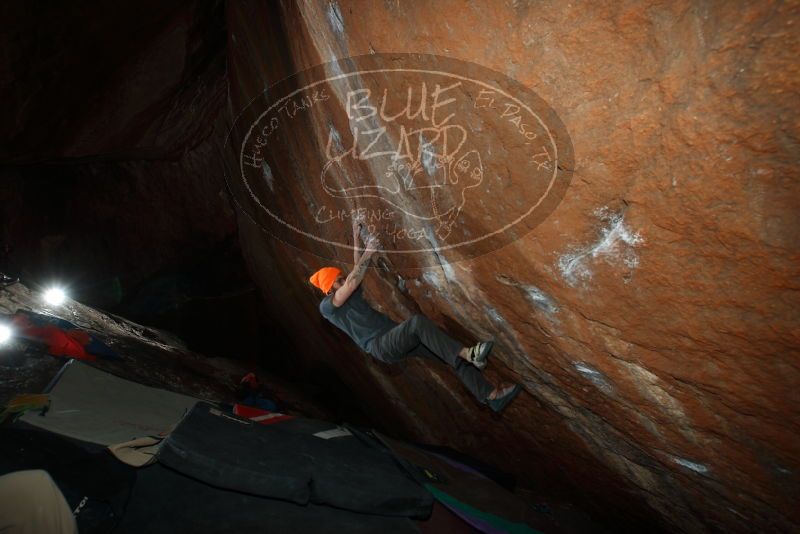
(165, 501)
(287, 461)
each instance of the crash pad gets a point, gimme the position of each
(98, 407)
(165, 501)
(290, 460)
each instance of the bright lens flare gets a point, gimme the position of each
(5, 333)
(54, 296)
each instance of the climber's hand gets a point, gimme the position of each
(357, 224)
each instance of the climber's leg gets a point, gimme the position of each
(398, 342)
(419, 336)
(471, 377)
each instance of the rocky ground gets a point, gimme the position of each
(146, 355)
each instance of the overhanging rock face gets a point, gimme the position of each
(650, 316)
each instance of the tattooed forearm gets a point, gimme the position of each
(356, 236)
(356, 252)
(361, 268)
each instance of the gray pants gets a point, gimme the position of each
(419, 336)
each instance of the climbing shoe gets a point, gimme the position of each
(504, 399)
(479, 353)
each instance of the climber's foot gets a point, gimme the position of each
(479, 353)
(502, 396)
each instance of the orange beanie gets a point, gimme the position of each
(325, 277)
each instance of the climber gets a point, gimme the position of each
(389, 342)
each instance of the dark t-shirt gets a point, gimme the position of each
(356, 318)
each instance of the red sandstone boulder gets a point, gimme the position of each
(652, 317)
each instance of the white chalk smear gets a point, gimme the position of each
(336, 140)
(616, 243)
(586, 370)
(594, 376)
(447, 268)
(334, 69)
(335, 17)
(494, 314)
(267, 173)
(688, 464)
(428, 156)
(540, 299)
(433, 279)
(738, 513)
(535, 296)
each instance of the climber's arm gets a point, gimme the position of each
(355, 277)
(356, 234)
